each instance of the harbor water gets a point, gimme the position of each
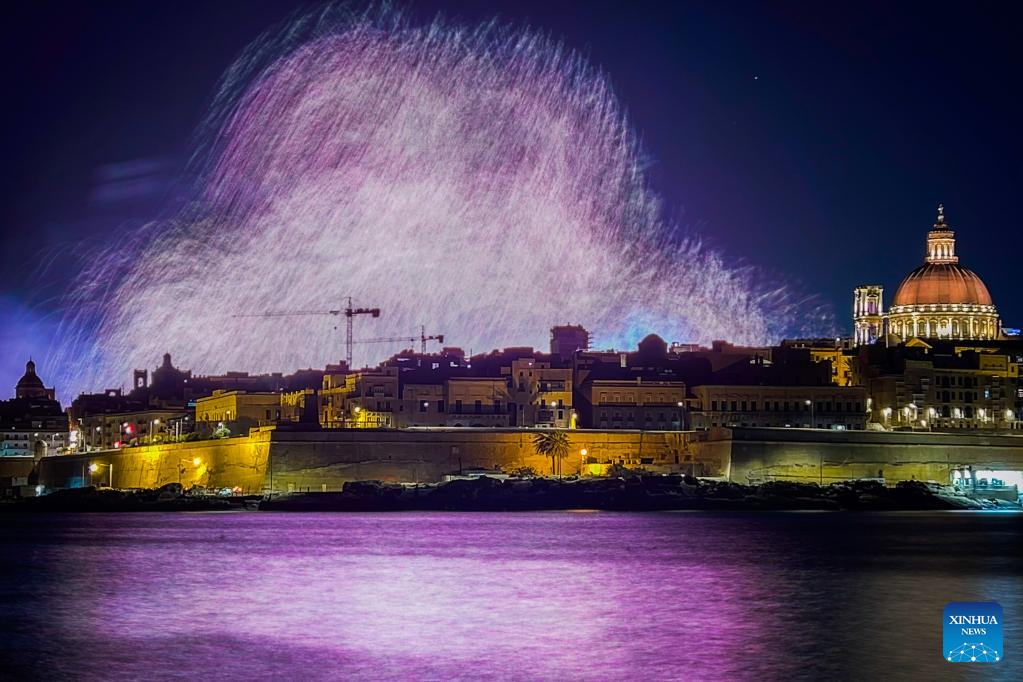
(545, 596)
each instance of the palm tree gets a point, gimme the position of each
(553, 444)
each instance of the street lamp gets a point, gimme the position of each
(911, 412)
(181, 470)
(582, 460)
(94, 467)
(813, 421)
(681, 416)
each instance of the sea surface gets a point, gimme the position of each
(523, 596)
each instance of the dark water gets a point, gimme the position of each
(554, 596)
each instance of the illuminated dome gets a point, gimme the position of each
(935, 283)
(942, 299)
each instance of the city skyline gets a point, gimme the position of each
(515, 339)
(129, 183)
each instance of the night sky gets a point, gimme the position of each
(813, 142)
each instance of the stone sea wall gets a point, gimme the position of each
(325, 460)
(287, 460)
(806, 455)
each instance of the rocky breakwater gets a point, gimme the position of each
(171, 497)
(636, 493)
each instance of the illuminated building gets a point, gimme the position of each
(237, 411)
(539, 394)
(421, 405)
(477, 401)
(943, 385)
(636, 404)
(363, 399)
(941, 299)
(109, 430)
(868, 313)
(515, 387)
(818, 407)
(837, 352)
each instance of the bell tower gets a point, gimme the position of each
(868, 314)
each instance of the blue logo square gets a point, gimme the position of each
(972, 632)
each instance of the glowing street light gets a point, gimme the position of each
(94, 467)
(181, 469)
(813, 420)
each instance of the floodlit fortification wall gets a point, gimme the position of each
(828, 456)
(226, 462)
(301, 460)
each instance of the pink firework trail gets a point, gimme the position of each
(481, 182)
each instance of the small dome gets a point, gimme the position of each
(30, 379)
(942, 283)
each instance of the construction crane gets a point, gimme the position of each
(348, 311)
(422, 338)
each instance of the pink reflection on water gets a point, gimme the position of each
(497, 596)
(458, 595)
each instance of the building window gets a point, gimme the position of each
(714, 406)
(478, 406)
